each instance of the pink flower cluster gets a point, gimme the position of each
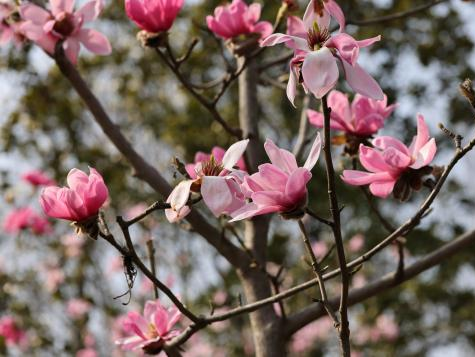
(10, 331)
(279, 186)
(150, 331)
(394, 166)
(26, 218)
(238, 19)
(317, 53)
(82, 200)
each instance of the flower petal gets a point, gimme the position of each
(314, 153)
(234, 153)
(362, 82)
(320, 72)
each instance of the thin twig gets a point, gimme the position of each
(151, 257)
(318, 275)
(318, 218)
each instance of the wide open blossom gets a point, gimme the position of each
(394, 166)
(26, 218)
(237, 19)
(280, 186)
(317, 54)
(62, 23)
(218, 154)
(150, 331)
(9, 24)
(37, 178)
(364, 117)
(153, 16)
(10, 331)
(218, 182)
(82, 200)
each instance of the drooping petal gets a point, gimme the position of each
(180, 194)
(234, 153)
(251, 210)
(95, 41)
(216, 194)
(314, 153)
(291, 89)
(320, 72)
(382, 188)
(362, 82)
(71, 49)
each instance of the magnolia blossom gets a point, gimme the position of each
(219, 184)
(82, 200)
(150, 331)
(317, 54)
(280, 186)
(201, 157)
(10, 331)
(9, 26)
(363, 118)
(153, 15)
(237, 19)
(61, 23)
(394, 166)
(25, 218)
(37, 178)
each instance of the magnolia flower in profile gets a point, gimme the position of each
(150, 331)
(153, 16)
(358, 121)
(217, 153)
(10, 24)
(26, 218)
(236, 19)
(280, 186)
(10, 331)
(394, 167)
(62, 23)
(317, 54)
(80, 202)
(218, 182)
(37, 178)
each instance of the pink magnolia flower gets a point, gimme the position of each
(9, 25)
(150, 331)
(61, 23)
(153, 15)
(77, 308)
(237, 19)
(201, 157)
(317, 54)
(37, 178)
(394, 166)
(82, 200)
(363, 118)
(10, 331)
(25, 218)
(280, 186)
(219, 184)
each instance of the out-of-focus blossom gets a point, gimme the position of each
(10, 23)
(115, 264)
(11, 333)
(306, 337)
(393, 166)
(359, 121)
(237, 19)
(219, 184)
(317, 54)
(37, 178)
(77, 308)
(201, 158)
(319, 249)
(62, 23)
(280, 186)
(150, 331)
(356, 243)
(72, 245)
(25, 218)
(385, 329)
(135, 210)
(153, 16)
(54, 277)
(87, 352)
(220, 297)
(199, 347)
(82, 200)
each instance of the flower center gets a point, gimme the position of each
(211, 167)
(152, 331)
(64, 24)
(316, 37)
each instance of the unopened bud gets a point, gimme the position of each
(466, 89)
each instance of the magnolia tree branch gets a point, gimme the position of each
(143, 169)
(396, 16)
(382, 285)
(304, 317)
(344, 327)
